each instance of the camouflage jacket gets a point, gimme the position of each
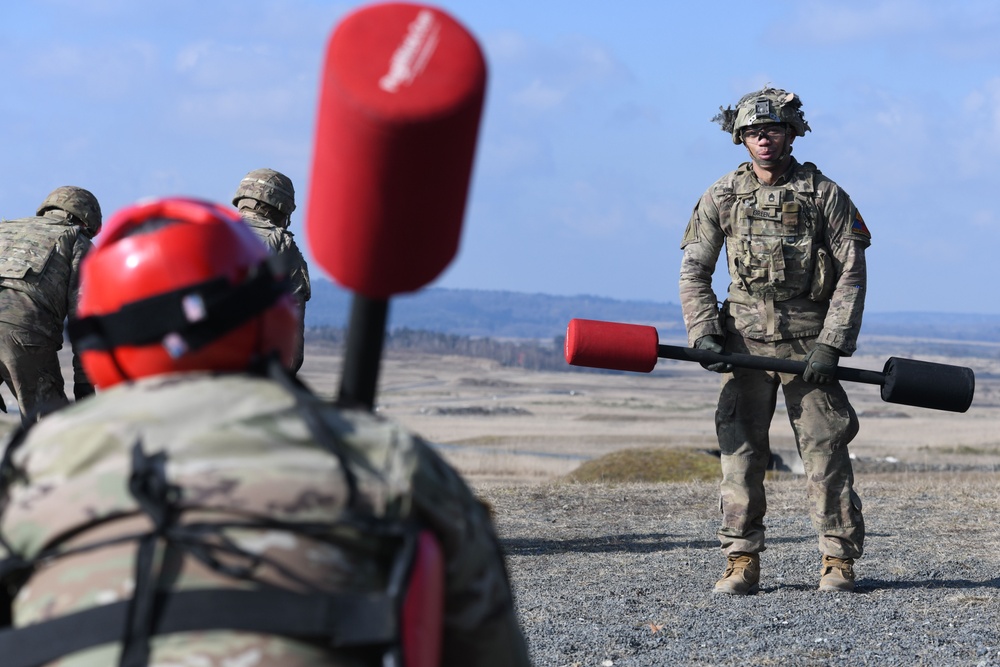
(39, 275)
(796, 257)
(280, 241)
(238, 447)
(40, 259)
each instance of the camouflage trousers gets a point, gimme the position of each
(29, 364)
(823, 422)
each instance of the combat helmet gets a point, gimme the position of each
(180, 285)
(79, 203)
(767, 105)
(270, 187)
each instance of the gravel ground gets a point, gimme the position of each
(621, 576)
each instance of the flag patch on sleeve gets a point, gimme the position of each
(859, 227)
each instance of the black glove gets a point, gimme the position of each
(82, 390)
(713, 343)
(821, 364)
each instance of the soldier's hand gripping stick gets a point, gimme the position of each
(635, 347)
(401, 97)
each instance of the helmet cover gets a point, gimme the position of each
(270, 187)
(761, 107)
(80, 203)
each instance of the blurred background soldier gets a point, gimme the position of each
(795, 245)
(39, 265)
(266, 199)
(205, 508)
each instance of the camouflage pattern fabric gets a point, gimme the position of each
(280, 241)
(29, 364)
(39, 284)
(770, 235)
(237, 447)
(773, 235)
(823, 422)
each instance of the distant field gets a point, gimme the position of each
(510, 424)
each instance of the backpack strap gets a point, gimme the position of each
(158, 498)
(342, 620)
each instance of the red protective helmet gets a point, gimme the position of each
(180, 285)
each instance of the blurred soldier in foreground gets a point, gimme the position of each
(795, 245)
(39, 278)
(205, 508)
(266, 199)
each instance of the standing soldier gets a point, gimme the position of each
(795, 245)
(265, 198)
(39, 268)
(207, 509)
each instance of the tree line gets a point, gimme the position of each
(529, 354)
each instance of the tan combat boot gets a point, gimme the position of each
(741, 576)
(837, 575)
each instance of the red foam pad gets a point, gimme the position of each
(423, 606)
(612, 345)
(400, 102)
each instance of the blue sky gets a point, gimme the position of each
(595, 143)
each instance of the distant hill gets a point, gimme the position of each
(495, 314)
(947, 326)
(499, 314)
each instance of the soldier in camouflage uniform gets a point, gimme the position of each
(266, 199)
(201, 466)
(39, 266)
(795, 245)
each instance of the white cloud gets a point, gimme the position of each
(514, 155)
(668, 215)
(956, 30)
(819, 22)
(630, 113)
(547, 78)
(986, 220)
(212, 107)
(211, 64)
(597, 206)
(92, 72)
(190, 56)
(540, 97)
(982, 114)
(506, 46)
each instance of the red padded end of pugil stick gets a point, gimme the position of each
(612, 345)
(400, 101)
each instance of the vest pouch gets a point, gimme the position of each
(823, 281)
(790, 214)
(25, 255)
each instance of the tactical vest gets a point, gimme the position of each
(775, 235)
(403, 623)
(32, 262)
